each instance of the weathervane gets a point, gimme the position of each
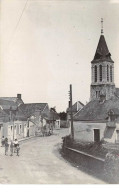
(101, 25)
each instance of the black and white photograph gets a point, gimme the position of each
(59, 92)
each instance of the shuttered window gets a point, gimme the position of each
(107, 73)
(111, 73)
(95, 70)
(100, 70)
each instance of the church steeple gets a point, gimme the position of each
(102, 70)
(102, 52)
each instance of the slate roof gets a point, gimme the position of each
(102, 52)
(7, 106)
(3, 116)
(29, 109)
(12, 99)
(74, 107)
(97, 111)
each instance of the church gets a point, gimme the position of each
(99, 119)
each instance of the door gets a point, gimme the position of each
(96, 135)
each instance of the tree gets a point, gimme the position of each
(63, 115)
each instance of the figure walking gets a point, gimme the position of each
(15, 144)
(6, 146)
(17, 149)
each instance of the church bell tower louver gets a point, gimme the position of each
(102, 71)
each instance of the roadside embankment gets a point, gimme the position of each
(93, 156)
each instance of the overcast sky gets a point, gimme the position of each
(47, 45)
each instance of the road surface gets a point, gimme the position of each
(41, 163)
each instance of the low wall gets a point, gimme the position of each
(85, 160)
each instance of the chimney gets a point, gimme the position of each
(19, 96)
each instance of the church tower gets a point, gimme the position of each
(102, 73)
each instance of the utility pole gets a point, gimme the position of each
(72, 129)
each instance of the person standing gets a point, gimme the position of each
(15, 144)
(6, 147)
(17, 149)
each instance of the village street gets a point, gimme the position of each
(41, 163)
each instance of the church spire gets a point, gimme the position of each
(101, 25)
(102, 52)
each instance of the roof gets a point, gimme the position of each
(76, 107)
(4, 117)
(95, 110)
(102, 52)
(30, 108)
(117, 92)
(19, 115)
(10, 104)
(53, 115)
(12, 99)
(6, 105)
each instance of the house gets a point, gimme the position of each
(54, 119)
(95, 121)
(13, 123)
(38, 116)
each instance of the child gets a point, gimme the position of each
(15, 145)
(17, 149)
(11, 148)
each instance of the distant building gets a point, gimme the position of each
(94, 122)
(54, 118)
(77, 106)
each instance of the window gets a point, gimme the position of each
(111, 73)
(97, 94)
(100, 70)
(107, 73)
(11, 128)
(95, 71)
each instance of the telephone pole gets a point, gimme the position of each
(72, 129)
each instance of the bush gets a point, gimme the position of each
(111, 166)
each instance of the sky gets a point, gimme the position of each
(47, 45)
